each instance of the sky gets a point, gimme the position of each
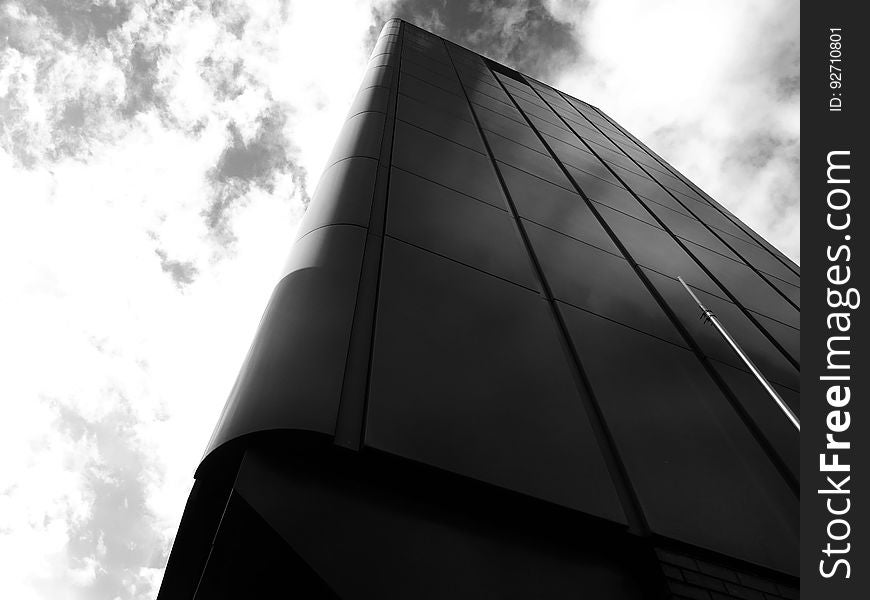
(155, 158)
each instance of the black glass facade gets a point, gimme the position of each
(480, 376)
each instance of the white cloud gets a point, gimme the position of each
(125, 316)
(710, 87)
(118, 372)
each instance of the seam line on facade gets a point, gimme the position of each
(434, 107)
(513, 166)
(385, 171)
(447, 187)
(318, 228)
(604, 438)
(464, 264)
(430, 72)
(429, 131)
(766, 446)
(353, 398)
(700, 263)
(362, 112)
(567, 302)
(332, 164)
(562, 233)
(680, 177)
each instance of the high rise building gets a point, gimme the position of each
(481, 378)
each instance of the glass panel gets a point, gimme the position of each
(787, 337)
(764, 412)
(598, 281)
(752, 291)
(542, 112)
(760, 350)
(447, 163)
(584, 129)
(528, 96)
(689, 456)
(433, 65)
(476, 73)
(654, 248)
(509, 412)
(434, 96)
(616, 197)
(597, 141)
(525, 93)
(555, 207)
(791, 292)
(675, 184)
(589, 164)
(618, 159)
(434, 51)
(465, 57)
(714, 218)
(450, 84)
(689, 228)
(513, 83)
(527, 160)
(518, 132)
(762, 260)
(440, 123)
(555, 131)
(643, 186)
(443, 221)
(572, 146)
(494, 105)
(485, 89)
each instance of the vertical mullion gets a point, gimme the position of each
(743, 227)
(353, 401)
(606, 443)
(676, 238)
(754, 429)
(684, 205)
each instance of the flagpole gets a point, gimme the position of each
(709, 316)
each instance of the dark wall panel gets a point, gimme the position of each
(700, 476)
(291, 377)
(469, 376)
(456, 226)
(598, 281)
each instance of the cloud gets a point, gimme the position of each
(182, 272)
(717, 97)
(713, 88)
(155, 159)
(117, 545)
(524, 34)
(81, 21)
(258, 161)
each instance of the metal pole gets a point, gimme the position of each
(708, 315)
